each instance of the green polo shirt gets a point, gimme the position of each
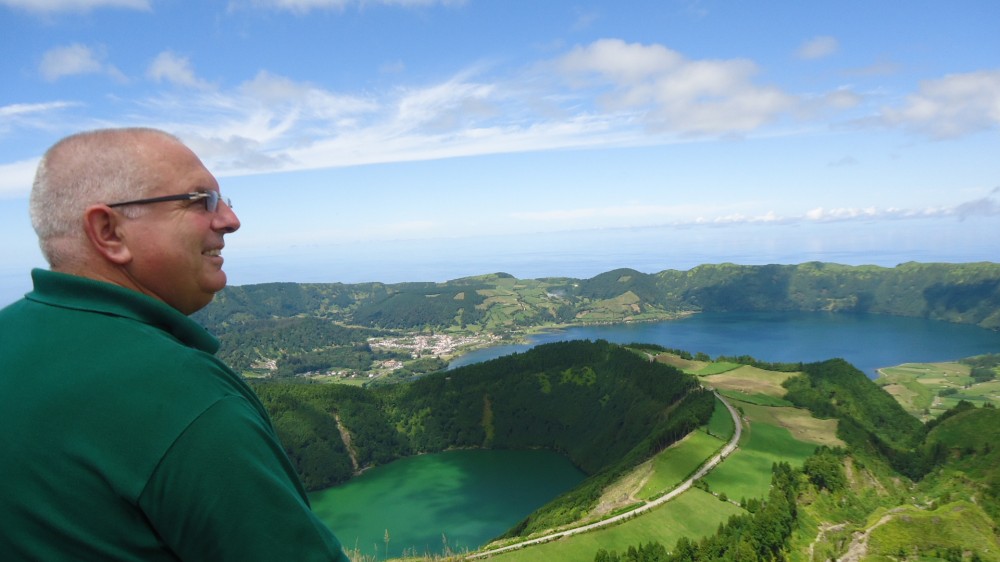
(122, 437)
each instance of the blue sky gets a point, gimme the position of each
(391, 140)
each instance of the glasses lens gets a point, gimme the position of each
(212, 201)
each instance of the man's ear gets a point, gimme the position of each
(104, 230)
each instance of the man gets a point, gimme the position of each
(123, 437)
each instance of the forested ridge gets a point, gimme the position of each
(605, 407)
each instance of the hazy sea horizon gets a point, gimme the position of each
(585, 254)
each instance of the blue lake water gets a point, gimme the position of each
(867, 341)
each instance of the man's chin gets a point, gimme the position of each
(215, 283)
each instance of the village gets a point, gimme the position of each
(442, 346)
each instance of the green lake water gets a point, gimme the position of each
(459, 498)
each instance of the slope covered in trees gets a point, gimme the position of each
(603, 406)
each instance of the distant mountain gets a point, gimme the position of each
(295, 328)
(967, 293)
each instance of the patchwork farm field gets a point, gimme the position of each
(928, 389)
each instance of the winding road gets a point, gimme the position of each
(680, 489)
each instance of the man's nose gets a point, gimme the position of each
(227, 219)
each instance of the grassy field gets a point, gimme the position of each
(721, 423)
(749, 381)
(693, 514)
(661, 473)
(672, 466)
(716, 367)
(910, 531)
(918, 387)
(747, 472)
(756, 398)
(774, 434)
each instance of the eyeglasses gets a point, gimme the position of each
(211, 198)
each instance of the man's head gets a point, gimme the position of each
(166, 249)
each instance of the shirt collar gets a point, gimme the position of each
(81, 293)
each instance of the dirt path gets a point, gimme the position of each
(680, 489)
(858, 548)
(823, 530)
(345, 436)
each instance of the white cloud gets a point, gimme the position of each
(275, 123)
(269, 89)
(620, 62)
(606, 94)
(842, 98)
(700, 215)
(839, 214)
(19, 117)
(769, 217)
(688, 97)
(175, 69)
(54, 6)
(984, 206)
(818, 47)
(456, 104)
(17, 110)
(262, 124)
(953, 106)
(72, 60)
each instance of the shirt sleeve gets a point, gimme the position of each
(226, 491)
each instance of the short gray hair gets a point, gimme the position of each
(84, 169)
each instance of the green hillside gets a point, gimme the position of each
(606, 408)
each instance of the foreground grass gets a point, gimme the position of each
(693, 514)
(747, 473)
(676, 464)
